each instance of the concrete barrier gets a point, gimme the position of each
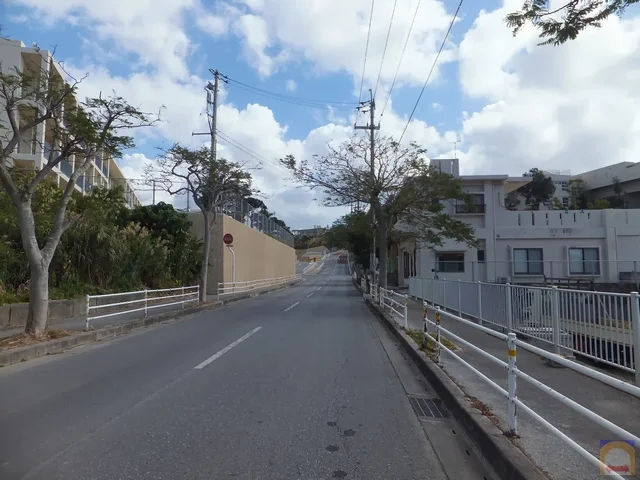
(15, 314)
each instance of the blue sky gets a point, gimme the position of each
(267, 44)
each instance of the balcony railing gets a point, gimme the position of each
(464, 208)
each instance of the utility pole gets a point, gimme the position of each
(371, 127)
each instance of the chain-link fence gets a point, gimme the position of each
(240, 210)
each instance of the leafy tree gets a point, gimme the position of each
(579, 199)
(539, 190)
(599, 204)
(565, 22)
(619, 199)
(556, 204)
(164, 222)
(301, 242)
(403, 189)
(211, 181)
(111, 248)
(37, 98)
(512, 200)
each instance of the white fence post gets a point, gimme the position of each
(509, 308)
(424, 326)
(438, 335)
(479, 303)
(406, 311)
(512, 388)
(635, 325)
(444, 294)
(555, 318)
(86, 321)
(459, 298)
(198, 294)
(146, 303)
(182, 298)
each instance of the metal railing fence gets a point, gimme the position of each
(230, 288)
(393, 302)
(114, 304)
(513, 374)
(598, 325)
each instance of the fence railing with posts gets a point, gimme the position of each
(599, 325)
(115, 304)
(512, 344)
(230, 288)
(240, 210)
(394, 302)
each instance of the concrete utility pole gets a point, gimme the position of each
(372, 135)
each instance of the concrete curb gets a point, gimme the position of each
(59, 345)
(505, 458)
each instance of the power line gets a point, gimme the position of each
(300, 101)
(404, 49)
(435, 62)
(366, 52)
(243, 148)
(386, 43)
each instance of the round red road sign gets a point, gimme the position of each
(227, 239)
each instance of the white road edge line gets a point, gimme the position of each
(289, 308)
(309, 294)
(320, 287)
(225, 349)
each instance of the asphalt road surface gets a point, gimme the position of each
(303, 383)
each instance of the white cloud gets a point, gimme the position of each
(150, 29)
(573, 106)
(313, 30)
(291, 85)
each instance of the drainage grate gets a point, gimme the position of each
(427, 407)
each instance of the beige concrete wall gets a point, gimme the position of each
(258, 256)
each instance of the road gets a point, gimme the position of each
(303, 383)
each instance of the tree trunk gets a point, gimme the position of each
(206, 246)
(38, 299)
(383, 240)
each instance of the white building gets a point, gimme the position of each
(527, 246)
(35, 145)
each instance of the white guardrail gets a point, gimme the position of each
(141, 301)
(229, 288)
(513, 373)
(599, 325)
(393, 302)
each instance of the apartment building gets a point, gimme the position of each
(35, 145)
(527, 247)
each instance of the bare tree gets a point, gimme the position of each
(404, 191)
(566, 21)
(37, 103)
(212, 182)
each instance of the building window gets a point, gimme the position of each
(584, 261)
(565, 201)
(477, 204)
(407, 265)
(527, 261)
(450, 262)
(482, 247)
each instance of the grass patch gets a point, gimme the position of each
(23, 339)
(430, 348)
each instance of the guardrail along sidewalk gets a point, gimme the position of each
(559, 415)
(232, 288)
(597, 325)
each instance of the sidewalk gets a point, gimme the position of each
(548, 452)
